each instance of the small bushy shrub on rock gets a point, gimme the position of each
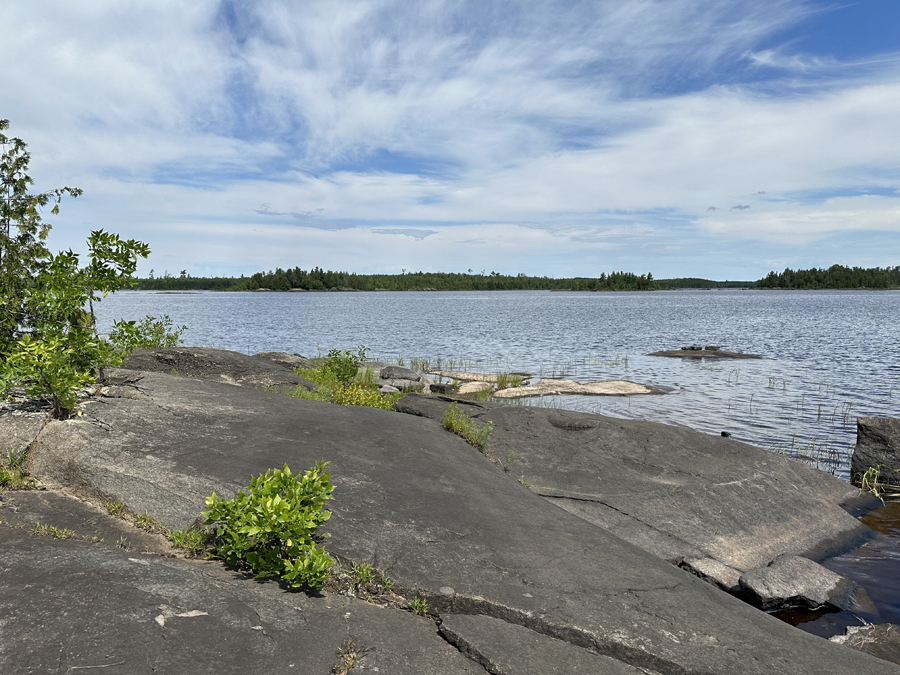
(272, 528)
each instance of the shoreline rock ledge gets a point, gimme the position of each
(513, 582)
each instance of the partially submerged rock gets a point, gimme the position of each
(550, 387)
(882, 641)
(877, 448)
(710, 352)
(790, 581)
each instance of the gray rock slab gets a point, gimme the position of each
(399, 373)
(678, 493)
(285, 360)
(19, 425)
(506, 648)
(725, 577)
(792, 581)
(429, 511)
(877, 446)
(88, 522)
(217, 365)
(67, 606)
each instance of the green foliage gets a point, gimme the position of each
(51, 531)
(509, 380)
(419, 606)
(192, 539)
(345, 364)
(48, 336)
(335, 390)
(14, 472)
(362, 573)
(836, 276)
(147, 333)
(272, 528)
(462, 425)
(356, 394)
(116, 508)
(23, 253)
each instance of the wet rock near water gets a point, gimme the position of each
(791, 581)
(878, 448)
(881, 641)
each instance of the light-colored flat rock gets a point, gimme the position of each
(546, 387)
(473, 387)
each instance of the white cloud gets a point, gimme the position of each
(610, 125)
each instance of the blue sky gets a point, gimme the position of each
(711, 138)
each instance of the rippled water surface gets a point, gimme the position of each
(828, 356)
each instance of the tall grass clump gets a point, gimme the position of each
(464, 426)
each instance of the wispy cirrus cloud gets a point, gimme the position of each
(627, 124)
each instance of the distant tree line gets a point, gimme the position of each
(693, 282)
(836, 276)
(318, 279)
(617, 281)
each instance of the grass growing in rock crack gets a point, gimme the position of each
(349, 655)
(51, 531)
(14, 472)
(116, 508)
(362, 573)
(464, 426)
(419, 606)
(192, 540)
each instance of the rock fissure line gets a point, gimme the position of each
(572, 635)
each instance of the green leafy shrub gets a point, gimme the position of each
(356, 394)
(147, 333)
(345, 364)
(462, 425)
(272, 529)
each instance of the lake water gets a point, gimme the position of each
(828, 356)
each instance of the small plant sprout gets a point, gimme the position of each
(419, 606)
(510, 458)
(523, 481)
(362, 573)
(51, 531)
(349, 655)
(193, 539)
(115, 508)
(387, 583)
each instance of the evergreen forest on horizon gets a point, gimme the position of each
(317, 279)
